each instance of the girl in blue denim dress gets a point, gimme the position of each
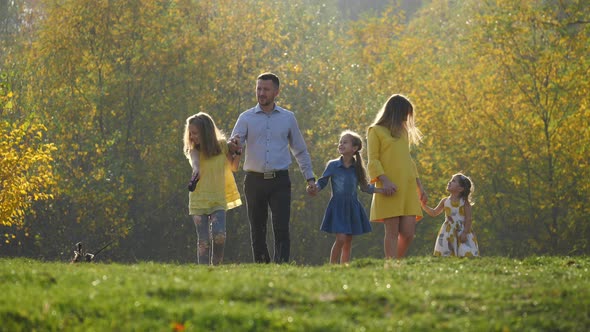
(345, 216)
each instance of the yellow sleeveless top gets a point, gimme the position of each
(216, 189)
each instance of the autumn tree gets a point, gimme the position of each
(538, 67)
(499, 90)
(499, 93)
(115, 82)
(26, 172)
(103, 76)
(502, 90)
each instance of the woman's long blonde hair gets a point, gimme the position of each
(397, 114)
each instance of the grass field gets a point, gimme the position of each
(416, 294)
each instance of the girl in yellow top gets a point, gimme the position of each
(213, 160)
(391, 168)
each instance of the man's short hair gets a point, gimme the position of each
(270, 76)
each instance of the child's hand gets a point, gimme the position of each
(192, 185)
(312, 189)
(389, 188)
(463, 237)
(196, 174)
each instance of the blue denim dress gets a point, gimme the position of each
(345, 213)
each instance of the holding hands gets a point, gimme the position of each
(234, 145)
(388, 188)
(312, 188)
(422, 193)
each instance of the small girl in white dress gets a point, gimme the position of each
(455, 238)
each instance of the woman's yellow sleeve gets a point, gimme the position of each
(374, 166)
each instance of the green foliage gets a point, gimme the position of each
(510, 95)
(500, 90)
(421, 293)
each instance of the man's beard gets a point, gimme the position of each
(267, 103)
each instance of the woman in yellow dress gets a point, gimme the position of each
(391, 167)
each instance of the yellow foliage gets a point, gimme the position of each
(500, 90)
(25, 170)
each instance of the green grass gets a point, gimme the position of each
(416, 294)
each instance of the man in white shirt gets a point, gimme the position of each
(270, 135)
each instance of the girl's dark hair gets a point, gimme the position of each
(467, 185)
(210, 137)
(359, 164)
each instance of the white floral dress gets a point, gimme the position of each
(447, 242)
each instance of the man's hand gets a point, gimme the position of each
(234, 145)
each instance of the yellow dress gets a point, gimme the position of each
(391, 156)
(216, 189)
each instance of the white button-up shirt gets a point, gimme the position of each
(270, 139)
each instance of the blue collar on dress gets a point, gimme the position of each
(340, 163)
